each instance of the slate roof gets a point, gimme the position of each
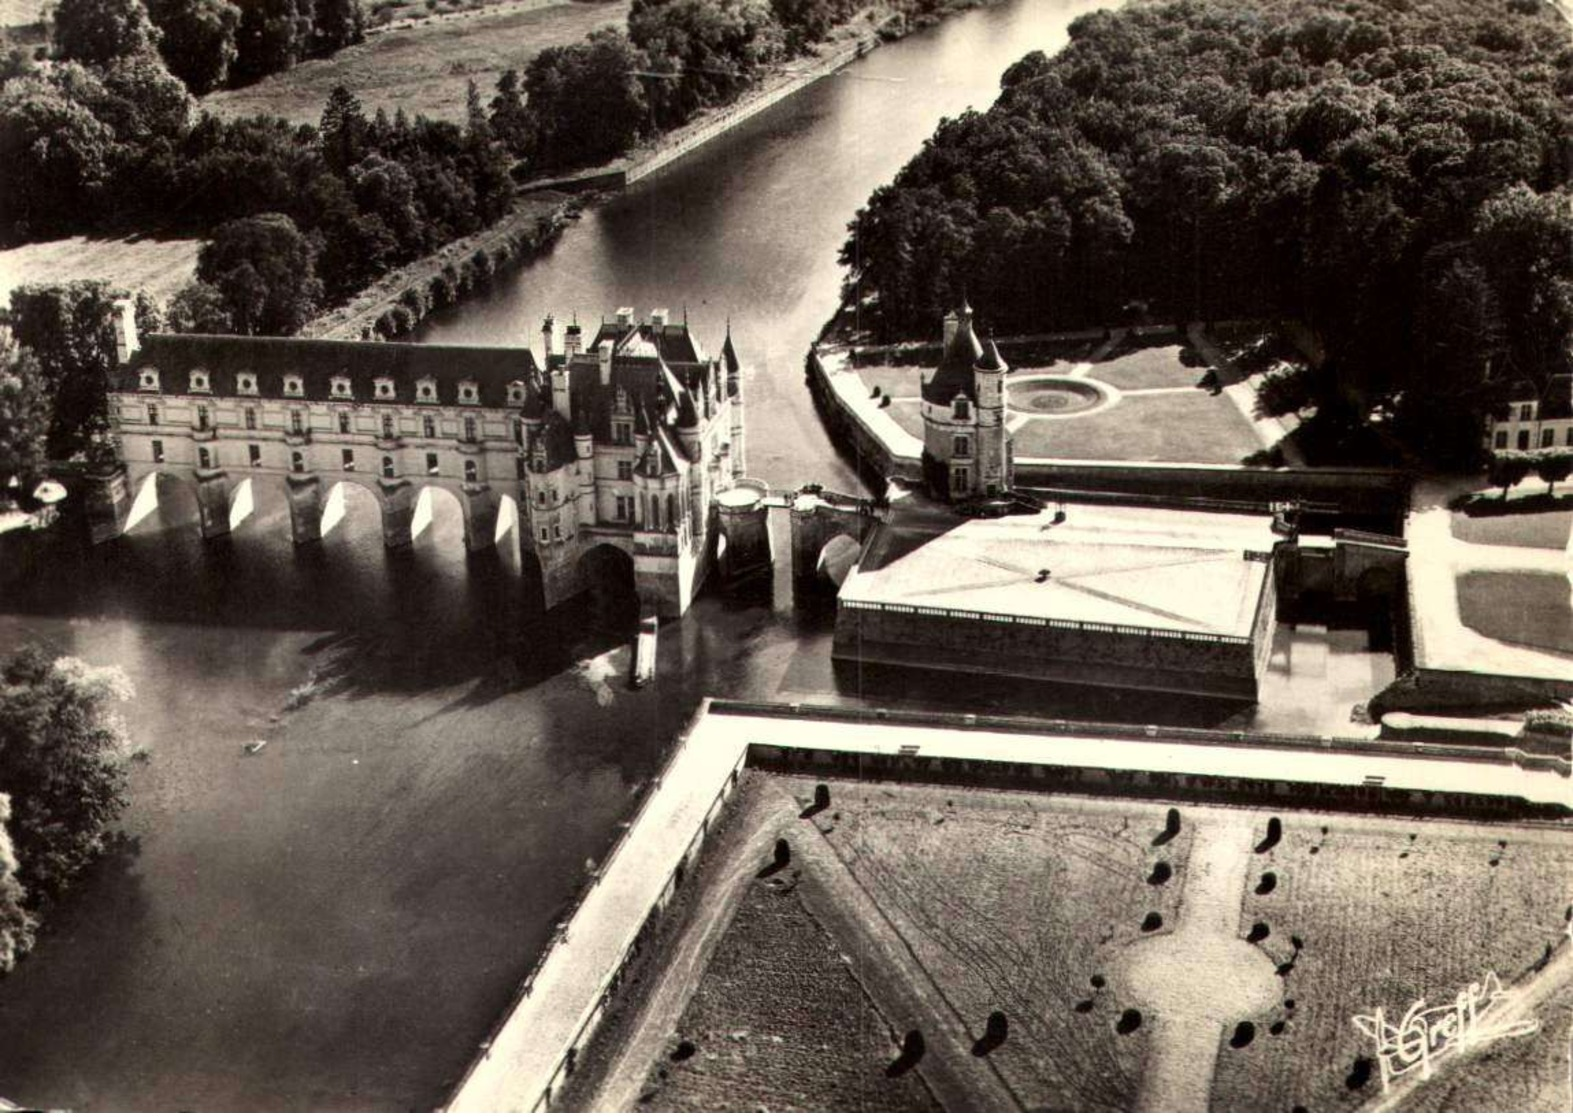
(954, 376)
(1555, 398)
(270, 359)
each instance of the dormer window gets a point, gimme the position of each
(199, 382)
(246, 384)
(339, 388)
(426, 389)
(963, 408)
(516, 391)
(293, 386)
(1526, 412)
(149, 381)
(384, 387)
(469, 392)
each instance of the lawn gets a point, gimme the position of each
(1020, 904)
(1180, 427)
(1548, 529)
(908, 414)
(1529, 608)
(1154, 366)
(1388, 911)
(20, 13)
(424, 69)
(893, 380)
(780, 1022)
(159, 267)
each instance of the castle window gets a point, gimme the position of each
(518, 464)
(340, 387)
(1501, 441)
(470, 473)
(152, 414)
(297, 424)
(625, 471)
(431, 464)
(543, 535)
(516, 391)
(540, 497)
(384, 387)
(1526, 412)
(963, 409)
(387, 426)
(387, 467)
(671, 510)
(199, 382)
(1570, 436)
(518, 431)
(623, 508)
(251, 418)
(426, 388)
(960, 480)
(1548, 437)
(149, 380)
(292, 386)
(204, 458)
(246, 385)
(344, 422)
(467, 392)
(347, 456)
(962, 447)
(557, 531)
(254, 454)
(1523, 440)
(428, 426)
(469, 429)
(623, 434)
(202, 418)
(158, 451)
(297, 461)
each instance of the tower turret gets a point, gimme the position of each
(993, 460)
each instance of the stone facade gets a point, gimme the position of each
(966, 447)
(622, 442)
(1535, 417)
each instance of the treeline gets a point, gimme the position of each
(205, 43)
(1394, 174)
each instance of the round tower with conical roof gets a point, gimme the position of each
(950, 412)
(993, 448)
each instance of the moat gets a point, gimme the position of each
(337, 920)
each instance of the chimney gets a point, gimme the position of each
(952, 324)
(658, 316)
(126, 343)
(605, 353)
(625, 316)
(573, 341)
(548, 339)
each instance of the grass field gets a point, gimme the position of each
(893, 380)
(424, 69)
(908, 414)
(1179, 427)
(780, 1022)
(1153, 366)
(159, 267)
(1548, 529)
(1019, 904)
(1531, 608)
(1388, 911)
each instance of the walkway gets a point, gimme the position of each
(1241, 390)
(1203, 978)
(1436, 559)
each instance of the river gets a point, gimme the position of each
(335, 921)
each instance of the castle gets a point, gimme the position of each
(966, 446)
(622, 442)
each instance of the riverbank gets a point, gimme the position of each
(401, 300)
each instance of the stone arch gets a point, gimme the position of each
(332, 501)
(147, 499)
(836, 558)
(432, 511)
(606, 574)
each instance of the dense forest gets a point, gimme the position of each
(1393, 173)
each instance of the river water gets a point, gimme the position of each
(336, 920)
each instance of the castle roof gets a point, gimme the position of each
(1555, 397)
(555, 439)
(991, 361)
(268, 360)
(954, 375)
(729, 354)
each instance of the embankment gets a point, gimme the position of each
(396, 303)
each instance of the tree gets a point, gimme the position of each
(55, 159)
(336, 24)
(24, 419)
(510, 121)
(16, 922)
(98, 32)
(265, 269)
(198, 39)
(199, 308)
(1554, 467)
(342, 130)
(1525, 241)
(70, 330)
(63, 761)
(1508, 468)
(273, 36)
(587, 100)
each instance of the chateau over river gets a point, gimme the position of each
(337, 920)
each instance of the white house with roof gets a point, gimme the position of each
(1535, 416)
